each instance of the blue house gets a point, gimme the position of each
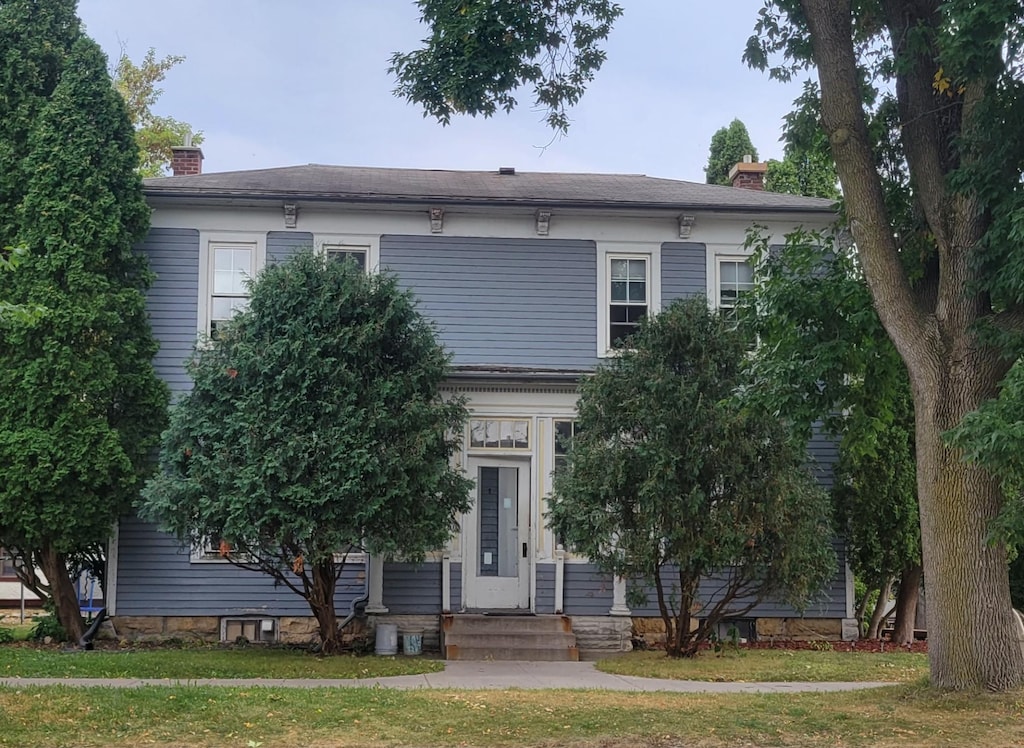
(522, 273)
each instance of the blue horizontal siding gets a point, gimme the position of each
(545, 592)
(173, 300)
(684, 271)
(283, 245)
(823, 453)
(511, 302)
(829, 603)
(586, 591)
(456, 582)
(412, 588)
(155, 577)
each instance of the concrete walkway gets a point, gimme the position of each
(470, 676)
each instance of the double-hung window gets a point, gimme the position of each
(735, 278)
(231, 268)
(564, 433)
(628, 296)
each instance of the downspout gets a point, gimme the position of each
(360, 600)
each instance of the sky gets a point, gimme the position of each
(272, 83)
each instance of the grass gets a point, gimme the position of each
(761, 665)
(204, 662)
(21, 631)
(904, 716)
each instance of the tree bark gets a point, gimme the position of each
(906, 604)
(62, 592)
(878, 614)
(321, 602)
(972, 638)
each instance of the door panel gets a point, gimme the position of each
(499, 575)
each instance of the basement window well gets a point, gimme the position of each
(253, 630)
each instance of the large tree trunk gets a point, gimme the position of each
(62, 592)
(321, 602)
(972, 638)
(971, 632)
(906, 604)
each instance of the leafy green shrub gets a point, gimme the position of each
(48, 625)
(6, 636)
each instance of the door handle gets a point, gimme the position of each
(524, 551)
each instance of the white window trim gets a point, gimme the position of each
(370, 243)
(606, 251)
(716, 294)
(209, 239)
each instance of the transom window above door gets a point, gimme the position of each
(499, 433)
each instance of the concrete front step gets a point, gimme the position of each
(529, 654)
(482, 637)
(478, 622)
(534, 639)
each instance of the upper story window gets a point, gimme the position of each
(346, 252)
(232, 268)
(735, 278)
(362, 249)
(628, 296)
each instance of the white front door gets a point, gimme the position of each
(497, 534)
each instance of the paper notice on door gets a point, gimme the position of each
(507, 502)
(487, 558)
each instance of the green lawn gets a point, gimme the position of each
(894, 717)
(752, 665)
(204, 662)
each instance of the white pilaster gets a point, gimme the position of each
(619, 607)
(375, 584)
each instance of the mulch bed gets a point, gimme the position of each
(863, 645)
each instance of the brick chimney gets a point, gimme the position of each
(186, 160)
(748, 175)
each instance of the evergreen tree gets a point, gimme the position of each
(35, 37)
(672, 479)
(315, 428)
(728, 147)
(82, 405)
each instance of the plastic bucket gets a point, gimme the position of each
(387, 639)
(412, 642)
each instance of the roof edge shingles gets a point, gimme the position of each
(366, 184)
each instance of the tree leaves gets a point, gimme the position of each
(314, 426)
(672, 477)
(82, 405)
(728, 147)
(155, 134)
(480, 52)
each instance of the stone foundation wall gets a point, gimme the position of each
(156, 628)
(429, 624)
(299, 630)
(800, 629)
(599, 636)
